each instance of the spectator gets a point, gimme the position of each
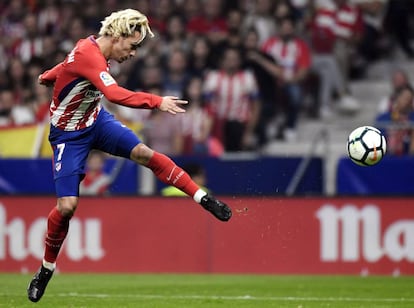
(197, 124)
(260, 19)
(192, 10)
(160, 131)
(212, 24)
(373, 45)
(349, 32)
(161, 11)
(48, 17)
(301, 10)
(397, 24)
(41, 103)
(395, 115)
(176, 75)
(75, 31)
(12, 23)
(398, 123)
(175, 36)
(283, 9)
(67, 14)
(150, 80)
(265, 82)
(324, 63)
(234, 29)
(292, 60)
(31, 45)
(19, 81)
(50, 52)
(6, 106)
(200, 60)
(96, 182)
(233, 95)
(163, 133)
(144, 6)
(91, 16)
(152, 76)
(399, 81)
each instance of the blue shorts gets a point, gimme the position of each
(71, 149)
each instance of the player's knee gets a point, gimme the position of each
(67, 205)
(141, 154)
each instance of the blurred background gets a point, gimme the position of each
(306, 74)
(274, 89)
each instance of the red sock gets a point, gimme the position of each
(169, 173)
(57, 228)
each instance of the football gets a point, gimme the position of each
(366, 146)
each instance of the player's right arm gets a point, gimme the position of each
(93, 67)
(48, 78)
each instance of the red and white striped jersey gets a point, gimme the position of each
(322, 30)
(231, 95)
(349, 21)
(94, 184)
(80, 81)
(343, 21)
(291, 56)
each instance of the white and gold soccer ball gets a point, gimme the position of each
(366, 146)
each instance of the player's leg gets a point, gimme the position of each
(69, 163)
(166, 170)
(114, 138)
(58, 221)
(57, 229)
(171, 174)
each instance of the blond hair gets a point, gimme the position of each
(125, 23)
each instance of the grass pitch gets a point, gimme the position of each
(102, 290)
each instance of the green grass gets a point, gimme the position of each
(95, 290)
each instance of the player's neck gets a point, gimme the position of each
(105, 45)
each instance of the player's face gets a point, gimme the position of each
(126, 47)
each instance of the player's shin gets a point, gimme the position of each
(168, 172)
(57, 229)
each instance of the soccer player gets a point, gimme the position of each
(79, 124)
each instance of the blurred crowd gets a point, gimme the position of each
(250, 68)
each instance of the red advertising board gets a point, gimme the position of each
(266, 235)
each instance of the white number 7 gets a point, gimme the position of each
(61, 147)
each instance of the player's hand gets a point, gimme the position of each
(172, 104)
(44, 82)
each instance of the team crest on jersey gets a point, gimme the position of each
(107, 78)
(58, 166)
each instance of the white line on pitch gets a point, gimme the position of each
(243, 297)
